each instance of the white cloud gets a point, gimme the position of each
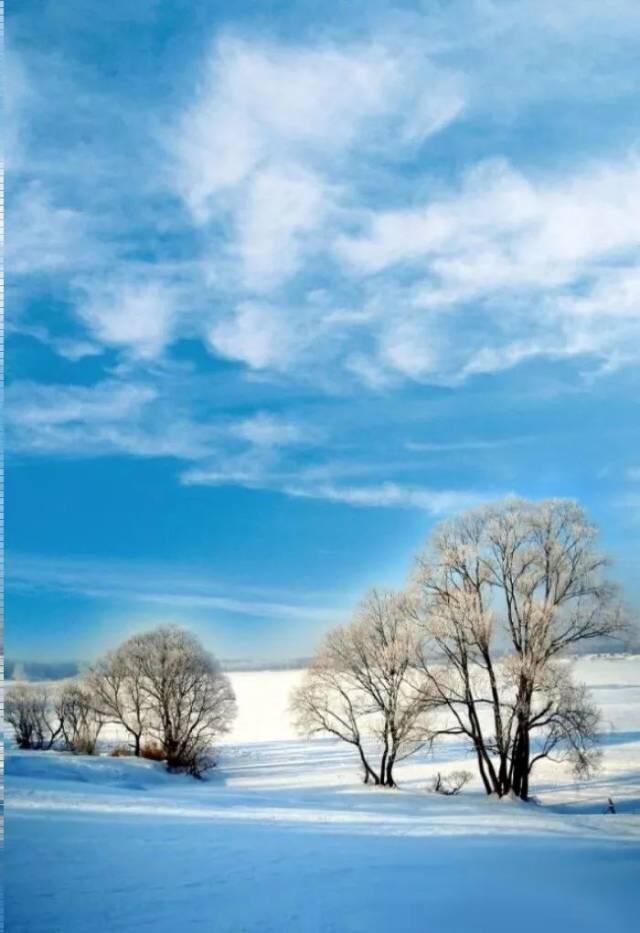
(145, 420)
(137, 316)
(261, 335)
(76, 420)
(304, 484)
(260, 103)
(391, 495)
(74, 350)
(265, 430)
(471, 445)
(506, 267)
(17, 103)
(45, 236)
(279, 156)
(265, 146)
(501, 228)
(105, 418)
(38, 404)
(283, 206)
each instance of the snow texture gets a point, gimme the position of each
(282, 837)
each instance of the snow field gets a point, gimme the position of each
(283, 837)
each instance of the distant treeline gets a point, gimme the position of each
(61, 670)
(42, 670)
(242, 664)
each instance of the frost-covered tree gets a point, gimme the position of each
(30, 710)
(80, 720)
(119, 691)
(505, 591)
(187, 701)
(361, 687)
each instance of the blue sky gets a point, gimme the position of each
(288, 284)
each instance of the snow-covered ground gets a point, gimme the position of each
(282, 837)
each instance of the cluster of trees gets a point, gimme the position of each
(161, 687)
(472, 648)
(43, 718)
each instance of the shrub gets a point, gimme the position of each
(200, 763)
(33, 717)
(152, 751)
(451, 784)
(81, 723)
(120, 751)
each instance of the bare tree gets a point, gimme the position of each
(188, 702)
(81, 722)
(505, 590)
(119, 691)
(29, 709)
(327, 702)
(360, 686)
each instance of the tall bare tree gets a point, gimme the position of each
(504, 591)
(361, 687)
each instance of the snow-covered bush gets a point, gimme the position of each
(33, 715)
(450, 784)
(81, 722)
(152, 750)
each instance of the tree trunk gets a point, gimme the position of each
(520, 776)
(389, 773)
(368, 770)
(383, 768)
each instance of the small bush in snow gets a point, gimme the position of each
(200, 764)
(152, 751)
(450, 784)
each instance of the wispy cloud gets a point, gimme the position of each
(303, 484)
(169, 587)
(50, 237)
(544, 261)
(318, 216)
(266, 430)
(256, 99)
(143, 419)
(471, 445)
(392, 495)
(291, 160)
